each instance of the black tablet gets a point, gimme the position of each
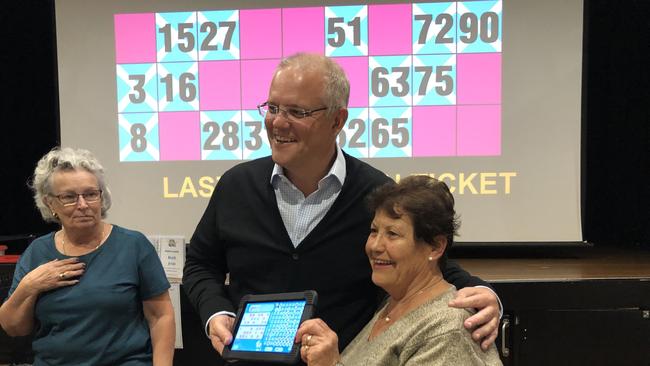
(266, 326)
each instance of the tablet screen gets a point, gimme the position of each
(269, 326)
(266, 326)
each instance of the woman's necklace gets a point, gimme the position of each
(101, 240)
(387, 314)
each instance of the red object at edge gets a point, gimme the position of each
(9, 258)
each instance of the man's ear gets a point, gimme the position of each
(339, 119)
(438, 246)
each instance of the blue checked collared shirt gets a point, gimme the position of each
(301, 214)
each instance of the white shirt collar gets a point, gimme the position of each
(338, 169)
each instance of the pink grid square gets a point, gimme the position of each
(434, 131)
(256, 76)
(303, 30)
(478, 78)
(260, 34)
(389, 29)
(356, 68)
(180, 136)
(479, 130)
(135, 38)
(219, 85)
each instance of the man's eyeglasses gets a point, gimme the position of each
(69, 199)
(293, 113)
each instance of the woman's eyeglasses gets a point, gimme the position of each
(69, 199)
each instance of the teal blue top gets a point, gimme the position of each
(100, 320)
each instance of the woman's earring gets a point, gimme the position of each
(430, 259)
(54, 214)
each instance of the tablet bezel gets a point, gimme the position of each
(310, 297)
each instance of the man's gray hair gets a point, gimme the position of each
(336, 91)
(63, 160)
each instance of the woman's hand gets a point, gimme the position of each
(17, 313)
(52, 275)
(320, 345)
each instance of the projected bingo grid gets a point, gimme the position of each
(425, 78)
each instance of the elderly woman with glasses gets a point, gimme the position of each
(414, 226)
(92, 293)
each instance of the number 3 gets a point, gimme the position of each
(138, 88)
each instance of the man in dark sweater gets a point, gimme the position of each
(297, 220)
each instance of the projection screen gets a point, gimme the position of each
(484, 95)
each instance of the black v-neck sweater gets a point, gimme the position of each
(242, 233)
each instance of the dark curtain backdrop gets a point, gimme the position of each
(617, 91)
(616, 115)
(28, 108)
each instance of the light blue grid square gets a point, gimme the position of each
(218, 35)
(484, 18)
(255, 140)
(346, 30)
(137, 89)
(391, 132)
(176, 37)
(353, 138)
(434, 80)
(181, 93)
(434, 28)
(221, 135)
(138, 137)
(389, 79)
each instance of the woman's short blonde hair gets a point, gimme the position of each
(65, 159)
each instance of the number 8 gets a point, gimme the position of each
(139, 141)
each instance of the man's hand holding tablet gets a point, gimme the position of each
(220, 331)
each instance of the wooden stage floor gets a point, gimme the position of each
(563, 265)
